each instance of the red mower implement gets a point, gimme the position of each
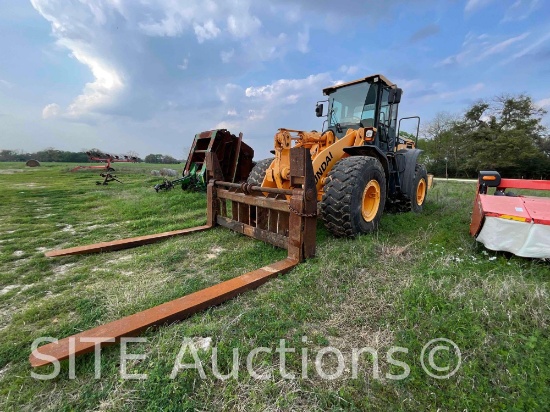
(106, 159)
(505, 221)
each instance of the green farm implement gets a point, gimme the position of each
(234, 157)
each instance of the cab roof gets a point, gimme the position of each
(382, 79)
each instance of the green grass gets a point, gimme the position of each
(420, 277)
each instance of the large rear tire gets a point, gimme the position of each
(257, 174)
(354, 196)
(419, 188)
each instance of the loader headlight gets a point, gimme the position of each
(369, 134)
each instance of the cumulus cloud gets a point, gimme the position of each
(81, 40)
(285, 87)
(243, 25)
(133, 76)
(349, 70)
(51, 110)
(101, 91)
(259, 110)
(206, 32)
(172, 18)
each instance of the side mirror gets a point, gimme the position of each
(319, 110)
(395, 96)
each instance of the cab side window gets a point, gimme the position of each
(383, 120)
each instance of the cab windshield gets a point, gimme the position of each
(355, 104)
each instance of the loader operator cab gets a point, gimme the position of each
(369, 102)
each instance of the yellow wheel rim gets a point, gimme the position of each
(420, 192)
(371, 200)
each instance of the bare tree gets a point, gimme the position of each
(442, 122)
(132, 153)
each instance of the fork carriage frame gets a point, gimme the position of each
(286, 218)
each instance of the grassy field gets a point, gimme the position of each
(419, 278)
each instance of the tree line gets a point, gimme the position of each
(54, 155)
(46, 155)
(161, 159)
(505, 134)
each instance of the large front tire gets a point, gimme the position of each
(257, 174)
(354, 196)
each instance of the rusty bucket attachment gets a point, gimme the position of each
(261, 213)
(233, 155)
(505, 221)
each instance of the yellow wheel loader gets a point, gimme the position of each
(361, 164)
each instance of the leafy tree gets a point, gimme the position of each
(153, 158)
(170, 160)
(505, 134)
(160, 159)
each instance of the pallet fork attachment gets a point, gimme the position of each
(260, 213)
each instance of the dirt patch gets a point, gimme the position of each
(60, 270)
(10, 171)
(18, 253)
(21, 262)
(215, 252)
(93, 227)
(67, 229)
(118, 260)
(8, 288)
(202, 343)
(47, 215)
(31, 185)
(5, 369)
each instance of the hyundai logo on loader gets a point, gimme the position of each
(324, 166)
